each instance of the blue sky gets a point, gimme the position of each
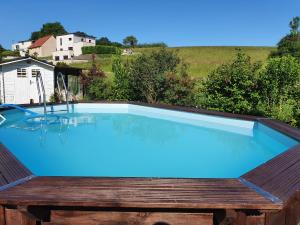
(175, 22)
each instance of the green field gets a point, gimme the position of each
(201, 60)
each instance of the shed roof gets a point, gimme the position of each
(24, 59)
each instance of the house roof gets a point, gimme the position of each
(39, 42)
(24, 59)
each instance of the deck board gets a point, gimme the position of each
(11, 170)
(279, 176)
(136, 193)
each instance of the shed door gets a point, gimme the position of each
(33, 85)
(22, 85)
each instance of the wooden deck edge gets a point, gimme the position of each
(261, 191)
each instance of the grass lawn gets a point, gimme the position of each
(201, 60)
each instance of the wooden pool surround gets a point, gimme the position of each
(267, 195)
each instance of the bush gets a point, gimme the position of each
(279, 92)
(121, 89)
(232, 87)
(99, 89)
(100, 49)
(179, 89)
(10, 53)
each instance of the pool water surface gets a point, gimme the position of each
(107, 141)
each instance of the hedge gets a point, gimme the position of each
(100, 49)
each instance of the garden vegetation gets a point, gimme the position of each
(241, 86)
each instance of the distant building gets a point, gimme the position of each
(43, 47)
(22, 47)
(69, 45)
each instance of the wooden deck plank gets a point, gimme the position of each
(279, 176)
(11, 169)
(136, 193)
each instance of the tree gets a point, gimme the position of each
(1, 49)
(290, 44)
(35, 35)
(294, 25)
(148, 74)
(82, 34)
(54, 29)
(130, 41)
(103, 41)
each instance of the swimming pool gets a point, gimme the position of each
(125, 140)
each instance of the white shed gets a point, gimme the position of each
(18, 80)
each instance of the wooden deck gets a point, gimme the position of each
(280, 176)
(11, 170)
(137, 193)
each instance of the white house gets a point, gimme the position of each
(69, 45)
(22, 47)
(18, 80)
(43, 47)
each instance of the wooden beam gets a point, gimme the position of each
(15, 217)
(129, 218)
(2, 215)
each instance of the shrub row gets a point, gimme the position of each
(100, 49)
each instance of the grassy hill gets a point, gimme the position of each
(201, 60)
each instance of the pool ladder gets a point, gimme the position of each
(42, 92)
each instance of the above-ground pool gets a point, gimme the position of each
(124, 140)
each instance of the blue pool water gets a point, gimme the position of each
(114, 143)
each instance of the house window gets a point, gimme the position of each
(21, 72)
(70, 48)
(82, 39)
(35, 72)
(17, 47)
(90, 41)
(70, 39)
(60, 41)
(66, 57)
(61, 49)
(56, 58)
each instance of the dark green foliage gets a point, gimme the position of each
(82, 34)
(179, 89)
(153, 78)
(103, 41)
(99, 89)
(290, 44)
(148, 74)
(122, 88)
(232, 87)
(294, 25)
(35, 35)
(54, 29)
(1, 49)
(10, 53)
(152, 45)
(279, 93)
(106, 41)
(130, 41)
(100, 49)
